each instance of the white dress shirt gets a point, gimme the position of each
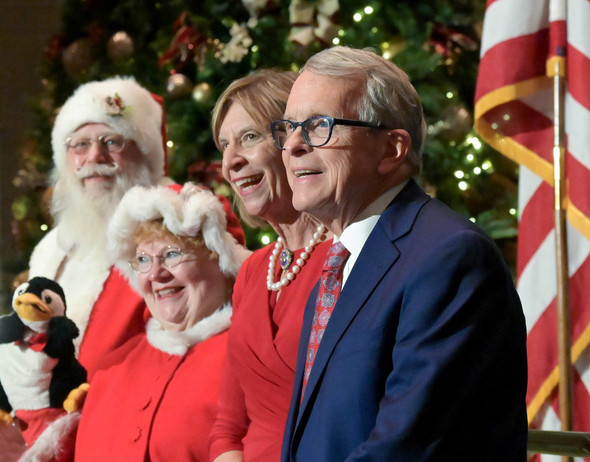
(356, 234)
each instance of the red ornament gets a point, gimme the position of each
(54, 47)
(448, 41)
(206, 173)
(185, 44)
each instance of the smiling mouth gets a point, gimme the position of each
(249, 182)
(302, 173)
(97, 175)
(168, 291)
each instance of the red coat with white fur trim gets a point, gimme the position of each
(148, 404)
(118, 314)
(100, 301)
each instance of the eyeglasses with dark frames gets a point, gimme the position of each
(316, 130)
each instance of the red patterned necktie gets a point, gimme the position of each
(328, 293)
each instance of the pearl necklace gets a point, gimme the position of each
(318, 236)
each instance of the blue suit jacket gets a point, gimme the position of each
(424, 357)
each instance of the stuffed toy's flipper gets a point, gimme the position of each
(61, 332)
(11, 328)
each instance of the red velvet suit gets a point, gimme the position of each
(150, 405)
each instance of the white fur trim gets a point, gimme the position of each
(82, 280)
(178, 343)
(187, 213)
(50, 443)
(141, 120)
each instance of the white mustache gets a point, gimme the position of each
(100, 169)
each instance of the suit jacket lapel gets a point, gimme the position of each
(377, 257)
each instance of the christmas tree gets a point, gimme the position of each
(189, 51)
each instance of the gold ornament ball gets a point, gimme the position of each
(78, 57)
(202, 92)
(120, 46)
(178, 85)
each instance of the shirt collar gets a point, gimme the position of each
(357, 233)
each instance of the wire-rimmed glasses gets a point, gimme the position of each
(169, 258)
(112, 142)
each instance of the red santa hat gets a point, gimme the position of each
(123, 104)
(188, 212)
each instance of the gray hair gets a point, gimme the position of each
(390, 100)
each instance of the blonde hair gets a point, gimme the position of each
(263, 94)
(155, 229)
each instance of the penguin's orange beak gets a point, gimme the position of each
(31, 308)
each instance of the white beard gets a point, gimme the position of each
(83, 215)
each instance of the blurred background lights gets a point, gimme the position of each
(335, 41)
(459, 174)
(265, 239)
(368, 9)
(170, 143)
(357, 17)
(475, 142)
(486, 165)
(477, 170)
(463, 185)
(450, 95)
(470, 157)
(512, 211)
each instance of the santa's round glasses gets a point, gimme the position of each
(316, 130)
(113, 143)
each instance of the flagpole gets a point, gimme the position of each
(556, 68)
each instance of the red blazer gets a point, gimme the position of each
(260, 366)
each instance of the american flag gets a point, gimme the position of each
(514, 114)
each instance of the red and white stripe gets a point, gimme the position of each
(514, 114)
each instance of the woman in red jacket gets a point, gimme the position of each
(155, 398)
(273, 284)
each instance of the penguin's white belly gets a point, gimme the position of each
(25, 375)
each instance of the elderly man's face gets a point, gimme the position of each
(334, 182)
(97, 154)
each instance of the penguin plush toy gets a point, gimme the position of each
(38, 367)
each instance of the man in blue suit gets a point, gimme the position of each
(423, 358)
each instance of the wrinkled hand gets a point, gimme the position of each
(76, 398)
(5, 418)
